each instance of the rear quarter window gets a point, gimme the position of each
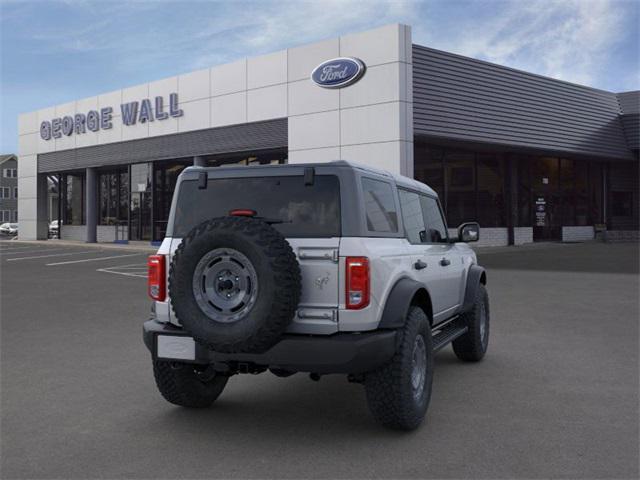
(303, 210)
(380, 206)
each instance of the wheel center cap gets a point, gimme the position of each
(225, 285)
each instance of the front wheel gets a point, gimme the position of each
(187, 385)
(398, 394)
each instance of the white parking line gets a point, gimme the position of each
(52, 255)
(40, 250)
(92, 259)
(129, 270)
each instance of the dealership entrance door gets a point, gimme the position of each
(140, 220)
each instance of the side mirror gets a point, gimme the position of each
(469, 232)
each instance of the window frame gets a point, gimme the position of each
(404, 224)
(440, 209)
(399, 232)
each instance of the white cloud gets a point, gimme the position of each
(273, 25)
(569, 40)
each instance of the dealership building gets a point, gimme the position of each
(530, 158)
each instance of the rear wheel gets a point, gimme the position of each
(472, 346)
(187, 385)
(398, 394)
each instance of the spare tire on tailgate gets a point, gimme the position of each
(235, 284)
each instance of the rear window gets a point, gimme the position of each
(304, 210)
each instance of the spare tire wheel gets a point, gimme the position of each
(235, 284)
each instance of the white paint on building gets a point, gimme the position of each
(369, 122)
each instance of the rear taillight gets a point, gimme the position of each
(156, 277)
(357, 282)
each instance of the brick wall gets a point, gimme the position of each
(577, 234)
(489, 237)
(74, 232)
(613, 236)
(522, 235)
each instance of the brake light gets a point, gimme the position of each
(156, 277)
(242, 212)
(357, 282)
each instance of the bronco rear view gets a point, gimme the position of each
(328, 268)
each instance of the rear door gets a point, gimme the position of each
(306, 213)
(430, 251)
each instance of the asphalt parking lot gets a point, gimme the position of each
(556, 396)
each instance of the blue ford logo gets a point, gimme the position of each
(338, 72)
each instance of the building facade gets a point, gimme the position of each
(529, 157)
(8, 188)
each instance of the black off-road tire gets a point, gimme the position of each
(389, 390)
(180, 384)
(472, 346)
(279, 284)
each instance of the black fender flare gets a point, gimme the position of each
(475, 277)
(398, 302)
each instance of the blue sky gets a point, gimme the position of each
(57, 51)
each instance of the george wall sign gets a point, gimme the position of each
(338, 72)
(94, 120)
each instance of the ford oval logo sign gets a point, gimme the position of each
(338, 73)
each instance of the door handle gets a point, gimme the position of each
(444, 262)
(419, 265)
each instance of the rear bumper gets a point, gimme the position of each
(338, 353)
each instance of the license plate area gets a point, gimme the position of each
(174, 347)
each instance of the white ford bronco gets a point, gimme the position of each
(320, 268)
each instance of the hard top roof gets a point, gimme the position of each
(398, 179)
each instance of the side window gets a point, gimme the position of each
(380, 207)
(436, 230)
(412, 216)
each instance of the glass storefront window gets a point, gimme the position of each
(428, 168)
(140, 201)
(581, 172)
(73, 199)
(547, 193)
(460, 187)
(491, 198)
(523, 165)
(596, 188)
(112, 194)
(166, 177)
(567, 191)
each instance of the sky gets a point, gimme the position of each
(55, 51)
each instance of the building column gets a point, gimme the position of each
(199, 162)
(42, 215)
(91, 197)
(512, 199)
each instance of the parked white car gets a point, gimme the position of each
(9, 229)
(54, 229)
